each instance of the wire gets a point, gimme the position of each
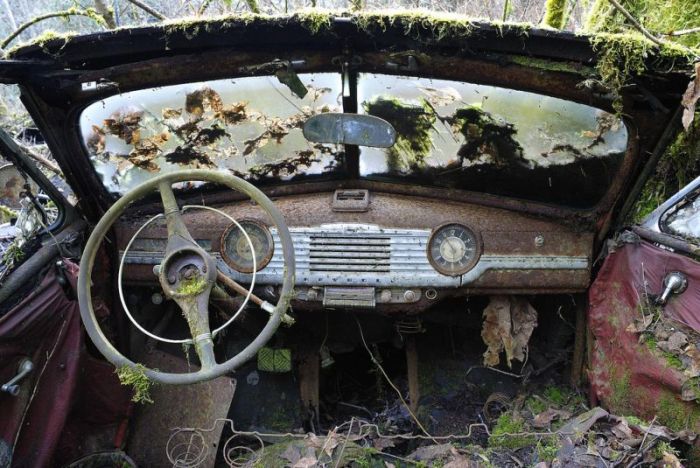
(398, 392)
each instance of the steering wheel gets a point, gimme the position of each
(187, 275)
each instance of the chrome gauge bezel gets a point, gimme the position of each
(478, 246)
(263, 262)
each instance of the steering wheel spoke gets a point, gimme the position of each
(177, 231)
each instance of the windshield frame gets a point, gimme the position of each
(180, 69)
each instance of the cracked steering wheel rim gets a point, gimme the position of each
(99, 232)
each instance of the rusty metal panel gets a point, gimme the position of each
(178, 406)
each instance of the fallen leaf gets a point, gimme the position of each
(671, 461)
(690, 98)
(441, 97)
(203, 100)
(676, 341)
(583, 422)
(508, 325)
(382, 443)
(622, 430)
(546, 417)
(306, 462)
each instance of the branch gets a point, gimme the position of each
(147, 9)
(683, 32)
(636, 23)
(203, 7)
(89, 13)
(253, 5)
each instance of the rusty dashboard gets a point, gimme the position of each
(380, 254)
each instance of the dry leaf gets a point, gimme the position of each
(508, 325)
(546, 417)
(306, 462)
(690, 98)
(203, 100)
(671, 461)
(622, 430)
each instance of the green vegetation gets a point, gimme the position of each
(678, 166)
(547, 448)
(413, 124)
(509, 433)
(555, 14)
(658, 16)
(139, 381)
(192, 286)
(620, 392)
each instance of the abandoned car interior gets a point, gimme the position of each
(330, 230)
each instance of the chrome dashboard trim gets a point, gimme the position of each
(403, 254)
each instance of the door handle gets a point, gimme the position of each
(12, 387)
(675, 282)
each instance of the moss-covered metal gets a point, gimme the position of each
(136, 377)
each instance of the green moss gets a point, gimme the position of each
(658, 16)
(620, 393)
(6, 214)
(551, 66)
(508, 433)
(673, 361)
(440, 25)
(547, 448)
(678, 166)
(49, 36)
(192, 286)
(140, 383)
(555, 14)
(535, 405)
(674, 413)
(316, 20)
(620, 56)
(413, 124)
(664, 447)
(13, 254)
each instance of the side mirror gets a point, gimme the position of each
(350, 129)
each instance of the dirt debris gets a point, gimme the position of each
(675, 343)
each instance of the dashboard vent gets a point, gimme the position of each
(338, 253)
(350, 200)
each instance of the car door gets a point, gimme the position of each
(644, 317)
(40, 334)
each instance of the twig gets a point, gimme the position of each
(42, 160)
(147, 9)
(253, 5)
(683, 32)
(635, 23)
(204, 7)
(644, 31)
(345, 442)
(517, 376)
(90, 13)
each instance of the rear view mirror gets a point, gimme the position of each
(350, 129)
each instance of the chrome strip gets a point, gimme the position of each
(408, 265)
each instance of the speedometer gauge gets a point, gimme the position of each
(453, 249)
(235, 249)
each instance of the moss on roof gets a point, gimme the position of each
(620, 56)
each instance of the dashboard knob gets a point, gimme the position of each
(409, 296)
(385, 296)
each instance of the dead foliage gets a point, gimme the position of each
(675, 343)
(508, 325)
